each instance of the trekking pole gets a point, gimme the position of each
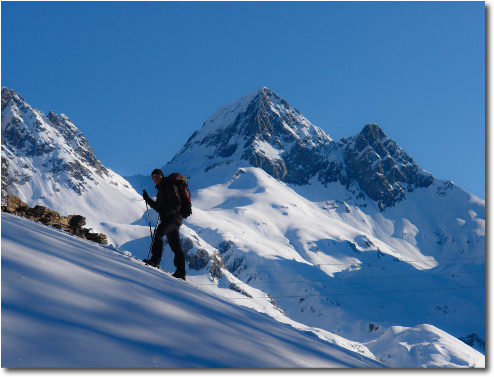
(149, 220)
(152, 237)
(150, 229)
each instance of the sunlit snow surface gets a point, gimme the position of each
(71, 303)
(399, 286)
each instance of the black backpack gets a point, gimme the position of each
(181, 182)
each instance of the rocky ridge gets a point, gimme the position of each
(383, 170)
(263, 130)
(66, 156)
(47, 161)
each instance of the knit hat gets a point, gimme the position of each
(157, 171)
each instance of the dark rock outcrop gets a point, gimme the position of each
(474, 341)
(199, 260)
(73, 224)
(380, 167)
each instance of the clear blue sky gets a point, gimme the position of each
(139, 78)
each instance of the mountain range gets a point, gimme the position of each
(349, 238)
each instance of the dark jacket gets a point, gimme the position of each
(167, 202)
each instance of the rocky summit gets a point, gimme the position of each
(263, 130)
(27, 132)
(383, 170)
(46, 160)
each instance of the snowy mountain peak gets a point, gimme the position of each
(9, 95)
(261, 115)
(74, 137)
(53, 139)
(46, 160)
(262, 130)
(373, 132)
(381, 168)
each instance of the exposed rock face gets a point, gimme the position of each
(475, 341)
(73, 224)
(196, 261)
(263, 130)
(34, 144)
(381, 168)
(73, 136)
(270, 121)
(47, 161)
(199, 260)
(216, 266)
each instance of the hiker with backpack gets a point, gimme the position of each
(169, 206)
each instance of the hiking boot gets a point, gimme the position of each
(152, 262)
(179, 274)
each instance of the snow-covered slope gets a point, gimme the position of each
(71, 303)
(348, 240)
(425, 346)
(333, 267)
(300, 222)
(46, 160)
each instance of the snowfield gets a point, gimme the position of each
(70, 303)
(301, 251)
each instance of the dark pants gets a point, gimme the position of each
(170, 230)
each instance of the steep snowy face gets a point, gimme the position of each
(65, 152)
(73, 137)
(46, 160)
(263, 130)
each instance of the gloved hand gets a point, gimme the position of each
(146, 197)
